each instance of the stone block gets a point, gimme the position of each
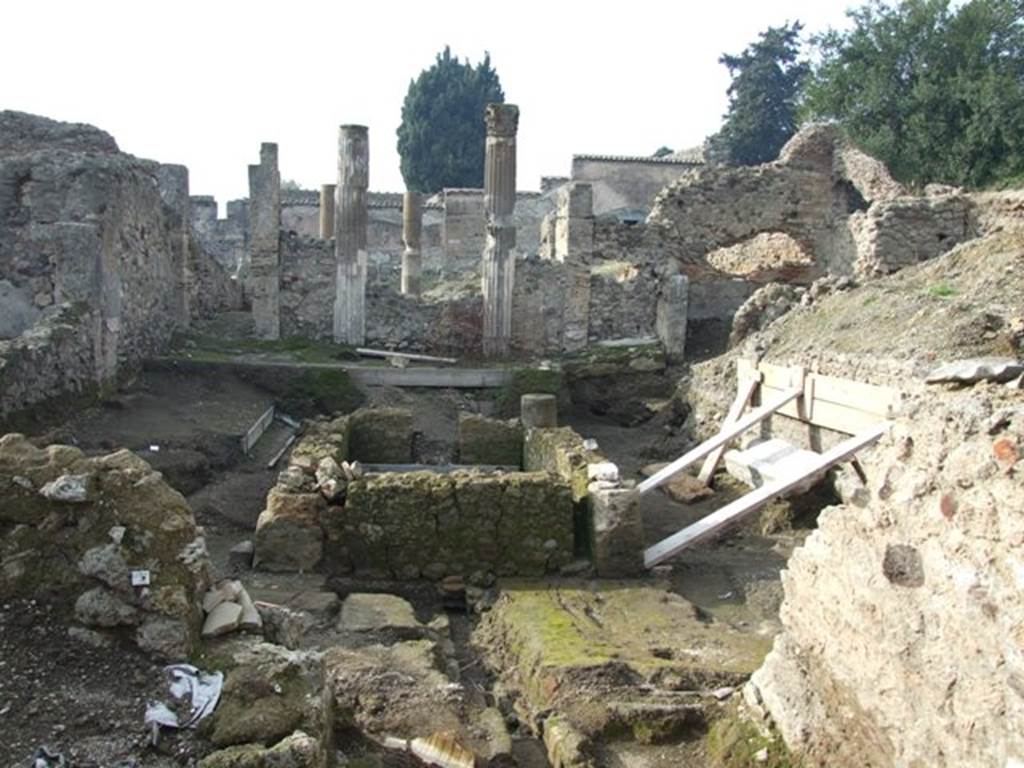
(381, 435)
(672, 314)
(288, 532)
(489, 441)
(617, 531)
(538, 411)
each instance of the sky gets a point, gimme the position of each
(204, 82)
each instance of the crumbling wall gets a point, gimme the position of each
(73, 529)
(224, 240)
(84, 232)
(903, 611)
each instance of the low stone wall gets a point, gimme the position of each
(413, 524)
(325, 515)
(608, 523)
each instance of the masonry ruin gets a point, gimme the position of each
(664, 464)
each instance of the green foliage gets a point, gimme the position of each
(937, 93)
(441, 138)
(942, 290)
(663, 151)
(291, 185)
(766, 82)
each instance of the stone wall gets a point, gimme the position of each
(439, 325)
(627, 186)
(902, 614)
(323, 514)
(225, 240)
(84, 232)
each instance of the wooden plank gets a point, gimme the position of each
(738, 509)
(277, 456)
(255, 432)
(743, 395)
(366, 352)
(723, 437)
(839, 404)
(457, 378)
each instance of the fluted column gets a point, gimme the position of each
(263, 283)
(327, 211)
(498, 268)
(350, 234)
(412, 228)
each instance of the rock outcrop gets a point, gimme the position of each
(106, 539)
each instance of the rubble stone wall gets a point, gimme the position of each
(407, 524)
(72, 529)
(84, 226)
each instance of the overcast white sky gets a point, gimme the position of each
(203, 82)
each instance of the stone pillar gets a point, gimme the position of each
(617, 530)
(672, 311)
(498, 266)
(350, 234)
(538, 410)
(412, 229)
(574, 247)
(264, 243)
(327, 211)
(172, 181)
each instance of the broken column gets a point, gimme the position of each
(538, 411)
(670, 319)
(412, 228)
(327, 211)
(350, 234)
(264, 244)
(574, 246)
(498, 266)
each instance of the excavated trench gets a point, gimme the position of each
(187, 427)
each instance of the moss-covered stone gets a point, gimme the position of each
(381, 435)
(609, 655)
(489, 441)
(268, 694)
(409, 524)
(733, 741)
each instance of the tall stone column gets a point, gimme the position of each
(264, 243)
(412, 229)
(172, 181)
(498, 266)
(350, 234)
(327, 211)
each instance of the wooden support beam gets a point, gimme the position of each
(743, 506)
(744, 393)
(365, 352)
(723, 437)
(255, 432)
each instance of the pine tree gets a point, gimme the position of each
(766, 81)
(441, 138)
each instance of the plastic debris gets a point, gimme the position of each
(193, 691)
(47, 758)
